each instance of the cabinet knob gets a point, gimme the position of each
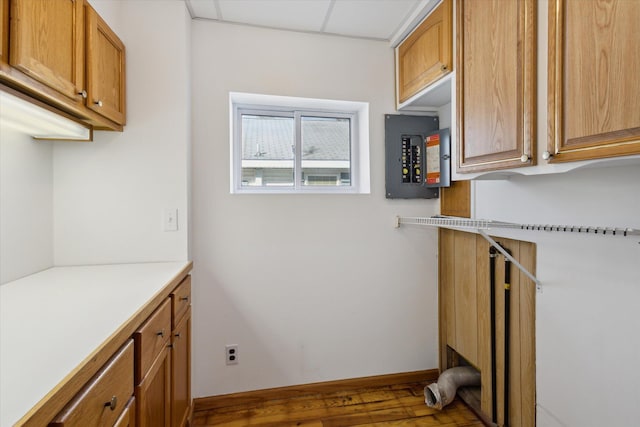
(547, 155)
(444, 67)
(83, 94)
(112, 403)
(524, 158)
(98, 103)
(160, 333)
(177, 335)
(185, 299)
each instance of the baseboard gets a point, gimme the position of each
(242, 398)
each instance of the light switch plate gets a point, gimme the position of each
(171, 219)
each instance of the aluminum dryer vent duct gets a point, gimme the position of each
(440, 394)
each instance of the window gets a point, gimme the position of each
(298, 145)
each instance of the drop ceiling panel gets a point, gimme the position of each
(306, 15)
(369, 18)
(203, 9)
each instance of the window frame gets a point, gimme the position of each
(297, 108)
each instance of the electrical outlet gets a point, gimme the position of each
(231, 352)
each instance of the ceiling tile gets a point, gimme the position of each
(307, 15)
(203, 9)
(369, 18)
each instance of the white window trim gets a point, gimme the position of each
(358, 112)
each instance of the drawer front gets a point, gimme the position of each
(103, 399)
(180, 300)
(151, 338)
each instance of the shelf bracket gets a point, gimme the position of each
(512, 259)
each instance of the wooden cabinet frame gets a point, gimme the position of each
(609, 142)
(498, 156)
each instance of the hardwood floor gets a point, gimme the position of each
(391, 405)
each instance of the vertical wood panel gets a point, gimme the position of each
(527, 336)
(466, 310)
(446, 303)
(457, 248)
(515, 385)
(484, 322)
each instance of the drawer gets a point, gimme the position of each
(180, 301)
(151, 338)
(103, 399)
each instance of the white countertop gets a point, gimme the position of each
(51, 321)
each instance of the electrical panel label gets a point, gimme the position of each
(433, 159)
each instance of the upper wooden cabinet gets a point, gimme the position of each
(47, 43)
(4, 31)
(426, 54)
(105, 69)
(593, 79)
(62, 53)
(495, 84)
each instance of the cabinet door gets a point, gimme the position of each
(181, 372)
(105, 69)
(594, 57)
(495, 84)
(426, 55)
(128, 417)
(153, 394)
(47, 43)
(4, 31)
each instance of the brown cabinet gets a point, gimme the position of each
(593, 79)
(128, 416)
(105, 69)
(62, 53)
(495, 84)
(4, 31)
(181, 371)
(153, 394)
(47, 43)
(426, 54)
(104, 398)
(153, 369)
(181, 354)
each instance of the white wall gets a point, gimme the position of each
(587, 318)
(311, 287)
(26, 205)
(109, 195)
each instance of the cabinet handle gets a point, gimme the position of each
(83, 94)
(98, 103)
(177, 335)
(185, 299)
(112, 403)
(160, 333)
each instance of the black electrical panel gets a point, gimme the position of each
(407, 173)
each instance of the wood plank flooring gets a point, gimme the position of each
(391, 405)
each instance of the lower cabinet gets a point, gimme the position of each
(128, 416)
(154, 393)
(181, 372)
(147, 382)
